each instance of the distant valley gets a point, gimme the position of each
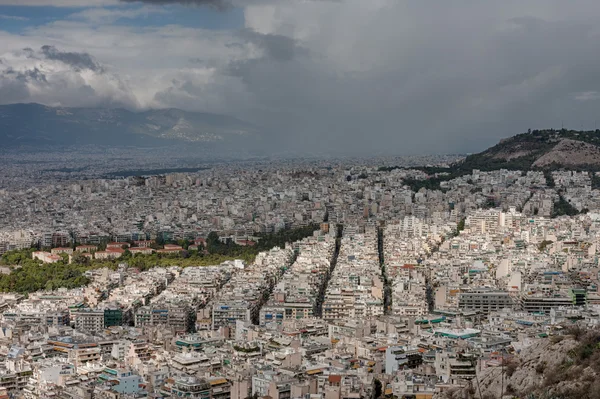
(39, 125)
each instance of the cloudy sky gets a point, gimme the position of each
(419, 76)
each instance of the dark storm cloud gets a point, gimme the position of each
(218, 4)
(277, 47)
(230, 81)
(78, 61)
(31, 75)
(388, 83)
(29, 52)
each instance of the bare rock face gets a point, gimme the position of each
(570, 153)
(525, 373)
(558, 367)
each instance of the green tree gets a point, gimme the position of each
(378, 389)
(80, 259)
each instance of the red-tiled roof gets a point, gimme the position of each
(119, 250)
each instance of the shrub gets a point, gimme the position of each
(575, 331)
(552, 377)
(510, 390)
(555, 339)
(540, 367)
(511, 367)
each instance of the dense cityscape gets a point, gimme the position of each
(289, 279)
(299, 199)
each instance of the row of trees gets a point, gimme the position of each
(30, 275)
(215, 245)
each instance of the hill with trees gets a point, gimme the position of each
(543, 150)
(539, 150)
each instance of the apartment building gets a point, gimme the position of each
(177, 318)
(544, 303)
(78, 351)
(398, 358)
(190, 387)
(485, 301)
(89, 320)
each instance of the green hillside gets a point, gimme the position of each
(543, 150)
(520, 152)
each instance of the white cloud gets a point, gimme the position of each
(60, 78)
(159, 66)
(107, 16)
(13, 17)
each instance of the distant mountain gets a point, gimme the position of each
(35, 124)
(539, 150)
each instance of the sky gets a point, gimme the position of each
(364, 77)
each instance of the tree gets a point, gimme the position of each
(460, 226)
(549, 179)
(212, 238)
(563, 207)
(80, 259)
(544, 244)
(185, 243)
(378, 390)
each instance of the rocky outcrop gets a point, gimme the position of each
(570, 153)
(565, 367)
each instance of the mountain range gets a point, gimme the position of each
(38, 125)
